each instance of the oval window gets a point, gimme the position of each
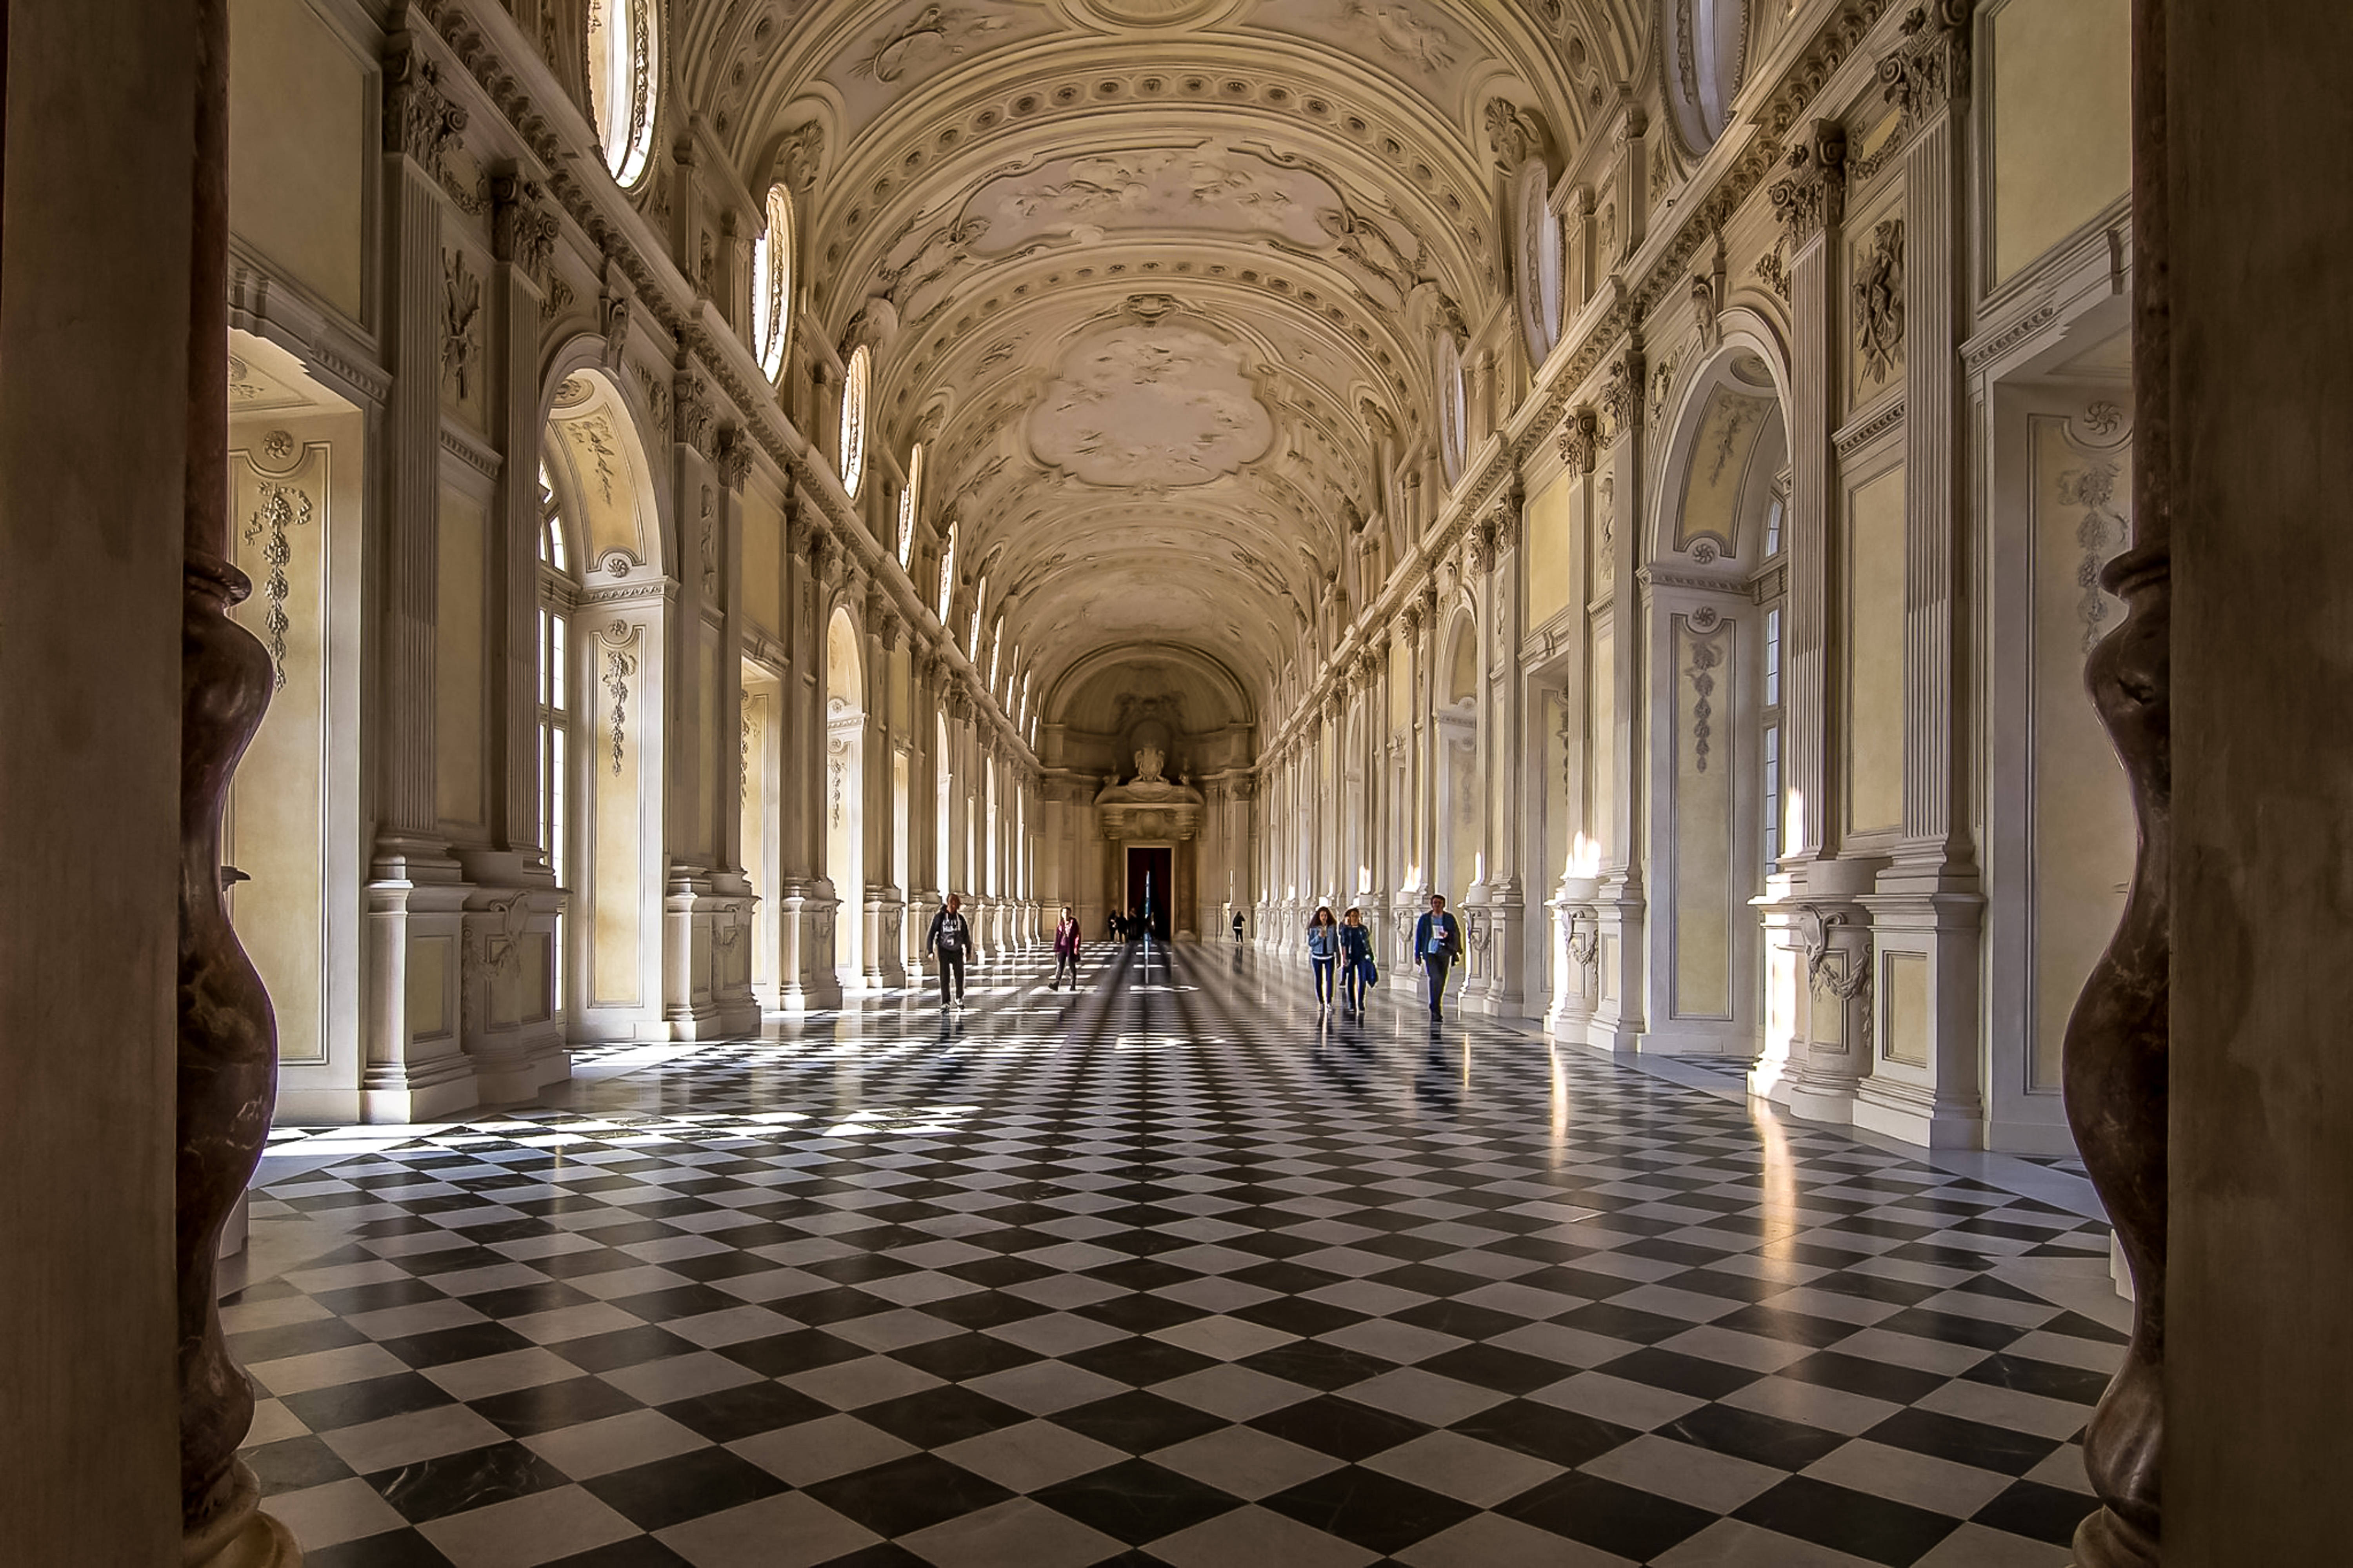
(1539, 260)
(1706, 44)
(910, 501)
(624, 74)
(772, 283)
(853, 419)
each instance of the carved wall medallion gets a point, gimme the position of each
(1879, 302)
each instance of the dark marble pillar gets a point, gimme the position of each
(2118, 1040)
(227, 1077)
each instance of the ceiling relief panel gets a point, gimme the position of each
(907, 45)
(1155, 405)
(1412, 41)
(1188, 188)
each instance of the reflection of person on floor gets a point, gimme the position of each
(950, 939)
(1437, 947)
(1066, 950)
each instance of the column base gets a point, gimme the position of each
(242, 1536)
(395, 1097)
(1917, 1115)
(1819, 1102)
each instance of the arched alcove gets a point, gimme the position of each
(845, 786)
(1459, 862)
(1712, 739)
(605, 799)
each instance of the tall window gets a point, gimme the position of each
(623, 75)
(947, 576)
(554, 701)
(909, 499)
(996, 647)
(853, 418)
(771, 282)
(1454, 407)
(1771, 751)
(972, 637)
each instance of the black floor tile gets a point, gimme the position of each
(1136, 1502)
(908, 1495)
(684, 1485)
(1877, 1529)
(1627, 1521)
(2044, 1512)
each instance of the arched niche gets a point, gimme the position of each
(596, 454)
(613, 856)
(1711, 739)
(1459, 824)
(845, 789)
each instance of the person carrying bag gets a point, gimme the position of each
(1437, 947)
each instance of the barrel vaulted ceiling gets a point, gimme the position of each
(1150, 279)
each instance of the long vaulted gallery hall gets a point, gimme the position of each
(1217, 783)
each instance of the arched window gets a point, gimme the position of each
(853, 418)
(947, 574)
(972, 637)
(623, 75)
(772, 283)
(556, 589)
(910, 498)
(996, 647)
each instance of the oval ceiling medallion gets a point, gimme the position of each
(1152, 13)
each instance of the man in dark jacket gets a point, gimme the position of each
(1437, 947)
(950, 939)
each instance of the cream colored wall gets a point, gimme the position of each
(2084, 833)
(1400, 686)
(1601, 739)
(1703, 799)
(1874, 573)
(276, 824)
(297, 146)
(616, 780)
(1548, 526)
(2060, 121)
(763, 559)
(458, 661)
(1906, 983)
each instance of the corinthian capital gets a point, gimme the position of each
(1932, 67)
(1812, 194)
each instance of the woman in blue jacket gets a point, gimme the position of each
(1322, 951)
(1355, 959)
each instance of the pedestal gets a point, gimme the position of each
(1835, 928)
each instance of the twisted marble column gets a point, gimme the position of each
(2118, 1040)
(228, 1077)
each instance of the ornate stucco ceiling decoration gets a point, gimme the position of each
(1136, 270)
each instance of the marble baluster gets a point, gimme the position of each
(228, 1071)
(2118, 1041)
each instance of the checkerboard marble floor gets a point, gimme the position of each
(1171, 1270)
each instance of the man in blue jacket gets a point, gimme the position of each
(1437, 947)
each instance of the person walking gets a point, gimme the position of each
(1066, 950)
(1322, 951)
(1356, 960)
(1238, 925)
(1437, 947)
(949, 940)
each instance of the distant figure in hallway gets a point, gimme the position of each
(1322, 951)
(1238, 925)
(1437, 947)
(1066, 950)
(950, 939)
(1112, 926)
(1356, 960)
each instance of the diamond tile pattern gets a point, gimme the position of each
(1169, 1270)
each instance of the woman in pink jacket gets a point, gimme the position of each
(1066, 950)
